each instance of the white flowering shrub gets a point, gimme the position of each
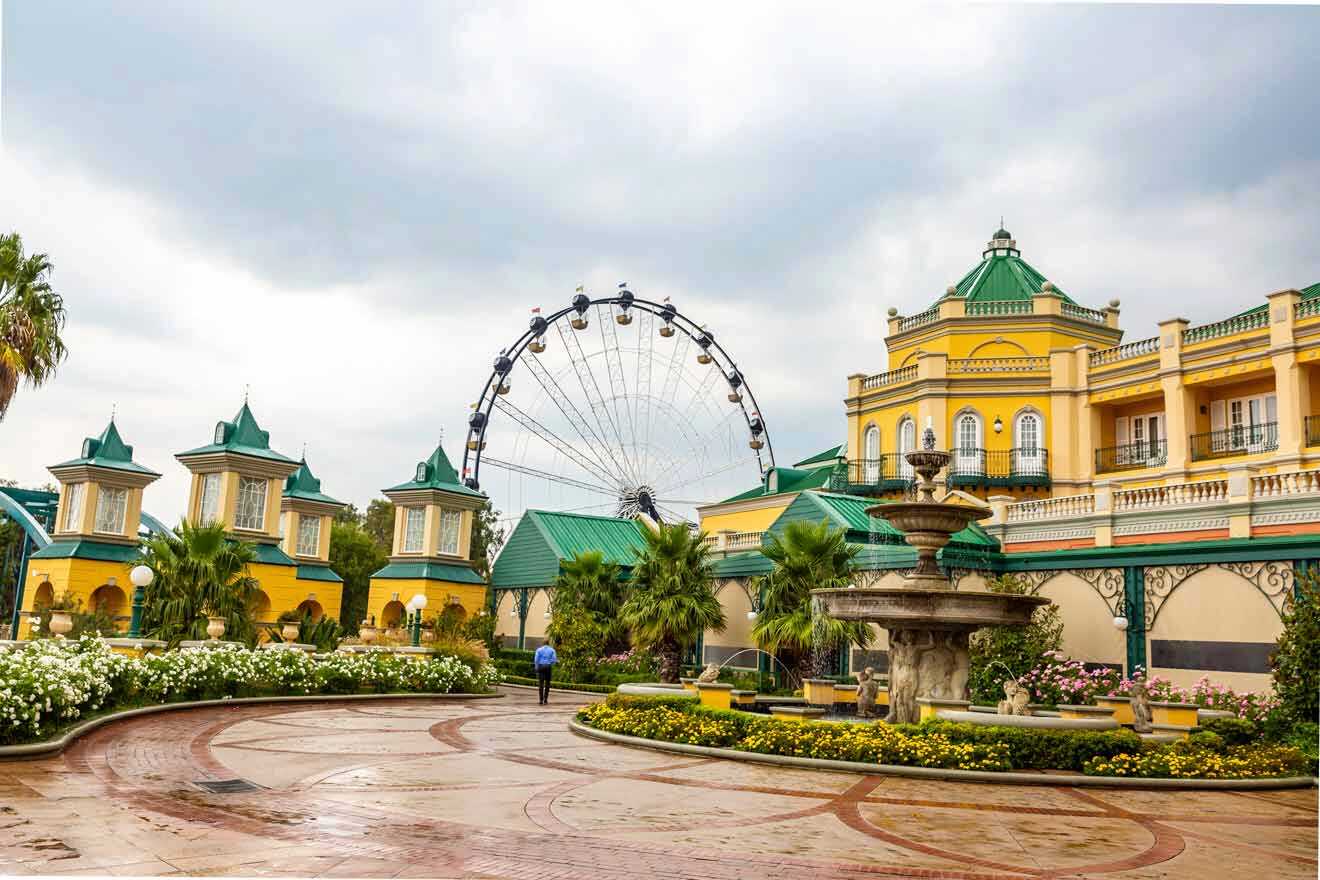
(50, 683)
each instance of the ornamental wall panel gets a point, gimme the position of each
(1088, 620)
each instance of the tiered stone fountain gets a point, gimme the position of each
(929, 622)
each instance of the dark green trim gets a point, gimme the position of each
(84, 549)
(314, 572)
(431, 571)
(1134, 609)
(1287, 547)
(271, 554)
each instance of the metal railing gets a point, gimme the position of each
(1226, 327)
(999, 365)
(1024, 466)
(1126, 351)
(1082, 313)
(1238, 440)
(1130, 456)
(930, 316)
(1311, 429)
(893, 377)
(868, 476)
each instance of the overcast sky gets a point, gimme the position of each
(351, 207)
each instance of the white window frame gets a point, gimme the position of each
(907, 442)
(1242, 416)
(208, 499)
(451, 522)
(246, 494)
(969, 456)
(309, 535)
(871, 453)
(74, 496)
(111, 509)
(1028, 456)
(413, 538)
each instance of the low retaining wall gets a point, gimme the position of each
(45, 748)
(1074, 780)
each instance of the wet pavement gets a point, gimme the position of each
(501, 788)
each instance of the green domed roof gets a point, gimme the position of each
(1001, 275)
(1001, 233)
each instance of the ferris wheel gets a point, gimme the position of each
(615, 406)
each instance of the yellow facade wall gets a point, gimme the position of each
(745, 520)
(472, 597)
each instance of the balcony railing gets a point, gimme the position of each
(871, 476)
(1308, 308)
(1123, 352)
(930, 316)
(1311, 427)
(893, 377)
(1238, 440)
(1082, 313)
(986, 468)
(999, 307)
(1131, 456)
(999, 365)
(1226, 327)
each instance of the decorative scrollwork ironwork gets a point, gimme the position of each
(1274, 580)
(1035, 579)
(1161, 581)
(1109, 585)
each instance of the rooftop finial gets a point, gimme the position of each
(246, 390)
(113, 408)
(304, 452)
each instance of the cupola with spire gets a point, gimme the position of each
(306, 513)
(101, 490)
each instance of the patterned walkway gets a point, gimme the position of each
(502, 789)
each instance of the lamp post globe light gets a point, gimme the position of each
(415, 606)
(141, 576)
(1120, 622)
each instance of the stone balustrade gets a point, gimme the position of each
(1307, 308)
(1125, 352)
(978, 308)
(911, 322)
(1226, 327)
(893, 377)
(1152, 497)
(1000, 365)
(1082, 313)
(1281, 485)
(1051, 508)
(734, 542)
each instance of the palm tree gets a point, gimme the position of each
(587, 584)
(31, 318)
(672, 601)
(199, 573)
(806, 557)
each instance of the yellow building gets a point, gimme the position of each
(238, 480)
(95, 540)
(432, 547)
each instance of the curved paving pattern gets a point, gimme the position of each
(502, 789)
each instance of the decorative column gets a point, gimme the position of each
(1291, 389)
(523, 599)
(1179, 407)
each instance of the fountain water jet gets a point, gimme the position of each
(929, 622)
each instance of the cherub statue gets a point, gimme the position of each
(1015, 699)
(868, 688)
(710, 674)
(1140, 708)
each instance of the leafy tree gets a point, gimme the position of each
(199, 572)
(1018, 648)
(354, 556)
(588, 585)
(806, 557)
(673, 598)
(349, 515)
(1296, 658)
(379, 523)
(487, 538)
(31, 320)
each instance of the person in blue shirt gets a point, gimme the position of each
(544, 660)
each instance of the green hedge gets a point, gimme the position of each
(1032, 748)
(576, 686)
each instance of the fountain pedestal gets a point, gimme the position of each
(929, 622)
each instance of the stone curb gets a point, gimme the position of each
(553, 689)
(1005, 777)
(49, 747)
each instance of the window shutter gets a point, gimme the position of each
(1121, 432)
(1218, 416)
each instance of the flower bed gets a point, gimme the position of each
(940, 744)
(50, 684)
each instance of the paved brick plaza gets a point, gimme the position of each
(500, 788)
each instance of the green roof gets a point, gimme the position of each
(433, 571)
(1307, 293)
(435, 473)
(107, 451)
(271, 554)
(1001, 275)
(848, 512)
(302, 484)
(242, 436)
(84, 549)
(544, 539)
(314, 572)
(829, 455)
(786, 480)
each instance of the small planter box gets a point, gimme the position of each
(1079, 713)
(1122, 707)
(742, 699)
(797, 713)
(1182, 731)
(716, 695)
(819, 691)
(845, 693)
(689, 684)
(1175, 714)
(931, 707)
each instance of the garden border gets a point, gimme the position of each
(554, 688)
(1008, 777)
(49, 747)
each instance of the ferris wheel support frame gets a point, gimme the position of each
(667, 312)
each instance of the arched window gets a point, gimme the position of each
(1027, 440)
(907, 442)
(871, 454)
(969, 457)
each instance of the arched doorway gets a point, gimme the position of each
(109, 600)
(391, 615)
(312, 607)
(259, 608)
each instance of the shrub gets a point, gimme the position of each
(1234, 731)
(1058, 680)
(1296, 659)
(1032, 748)
(1204, 693)
(1188, 760)
(1018, 648)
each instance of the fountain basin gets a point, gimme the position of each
(945, 609)
(925, 516)
(1037, 722)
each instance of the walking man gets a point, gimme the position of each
(544, 660)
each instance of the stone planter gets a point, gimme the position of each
(61, 622)
(215, 627)
(715, 694)
(796, 713)
(368, 634)
(931, 707)
(289, 632)
(1122, 707)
